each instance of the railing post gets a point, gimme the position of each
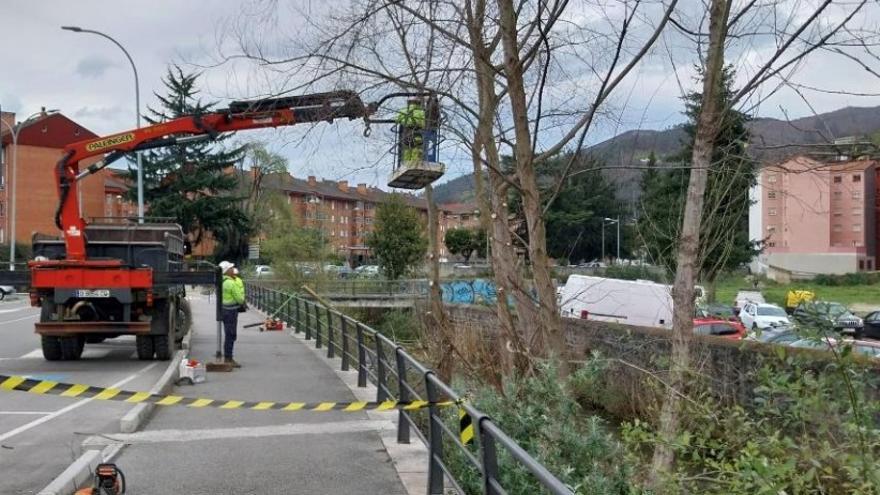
(402, 396)
(288, 314)
(343, 330)
(488, 457)
(381, 386)
(298, 323)
(435, 439)
(318, 338)
(330, 351)
(362, 355)
(308, 320)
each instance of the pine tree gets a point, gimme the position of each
(189, 182)
(724, 239)
(398, 240)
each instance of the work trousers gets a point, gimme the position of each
(230, 330)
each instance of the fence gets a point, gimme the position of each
(399, 376)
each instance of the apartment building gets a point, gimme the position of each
(343, 213)
(38, 149)
(816, 217)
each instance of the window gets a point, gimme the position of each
(771, 229)
(838, 215)
(857, 195)
(771, 178)
(857, 212)
(838, 227)
(771, 195)
(857, 177)
(838, 179)
(333, 204)
(861, 264)
(771, 244)
(857, 227)
(771, 212)
(332, 218)
(838, 194)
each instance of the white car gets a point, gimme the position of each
(755, 315)
(264, 271)
(6, 290)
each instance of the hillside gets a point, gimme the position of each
(772, 140)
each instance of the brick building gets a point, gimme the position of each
(817, 216)
(40, 142)
(343, 213)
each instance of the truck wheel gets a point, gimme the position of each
(145, 348)
(51, 348)
(71, 348)
(166, 345)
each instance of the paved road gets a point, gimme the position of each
(210, 451)
(40, 435)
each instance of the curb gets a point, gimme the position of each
(136, 416)
(80, 472)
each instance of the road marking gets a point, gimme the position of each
(87, 354)
(19, 319)
(3, 311)
(164, 436)
(75, 405)
(24, 413)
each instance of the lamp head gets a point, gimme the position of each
(75, 29)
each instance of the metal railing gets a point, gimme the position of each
(359, 287)
(399, 376)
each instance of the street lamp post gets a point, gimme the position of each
(14, 130)
(137, 110)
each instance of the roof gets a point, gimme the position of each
(330, 189)
(49, 131)
(800, 163)
(460, 208)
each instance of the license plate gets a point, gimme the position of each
(93, 293)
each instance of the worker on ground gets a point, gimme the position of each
(233, 300)
(410, 125)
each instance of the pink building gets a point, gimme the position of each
(817, 217)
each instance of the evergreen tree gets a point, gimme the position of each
(398, 240)
(724, 239)
(189, 182)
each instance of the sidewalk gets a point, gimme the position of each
(214, 451)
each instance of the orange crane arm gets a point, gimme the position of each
(239, 116)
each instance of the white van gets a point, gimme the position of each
(629, 302)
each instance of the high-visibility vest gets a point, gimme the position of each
(412, 116)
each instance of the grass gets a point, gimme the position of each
(862, 295)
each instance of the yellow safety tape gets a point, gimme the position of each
(46, 387)
(466, 426)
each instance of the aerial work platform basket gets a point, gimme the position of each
(417, 162)
(416, 174)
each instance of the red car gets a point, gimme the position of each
(733, 330)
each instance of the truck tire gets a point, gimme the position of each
(166, 345)
(145, 349)
(71, 347)
(51, 348)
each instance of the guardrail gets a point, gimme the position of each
(399, 376)
(360, 287)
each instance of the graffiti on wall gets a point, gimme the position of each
(477, 291)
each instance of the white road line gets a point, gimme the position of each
(162, 436)
(34, 354)
(19, 319)
(75, 405)
(2, 311)
(24, 413)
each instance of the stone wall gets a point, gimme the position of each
(637, 359)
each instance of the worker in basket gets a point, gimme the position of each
(410, 126)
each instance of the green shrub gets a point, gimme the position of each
(847, 279)
(631, 272)
(540, 415)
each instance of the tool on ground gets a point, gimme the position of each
(46, 387)
(126, 276)
(271, 322)
(109, 480)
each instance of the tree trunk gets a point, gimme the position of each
(441, 331)
(689, 243)
(552, 339)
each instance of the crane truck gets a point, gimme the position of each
(104, 279)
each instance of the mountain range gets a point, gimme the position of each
(772, 140)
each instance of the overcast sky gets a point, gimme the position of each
(89, 80)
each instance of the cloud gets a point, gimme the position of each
(94, 66)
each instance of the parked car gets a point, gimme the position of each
(747, 296)
(264, 271)
(777, 335)
(865, 348)
(367, 271)
(6, 290)
(872, 325)
(824, 314)
(720, 328)
(755, 315)
(717, 310)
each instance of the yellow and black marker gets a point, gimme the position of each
(47, 387)
(466, 427)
